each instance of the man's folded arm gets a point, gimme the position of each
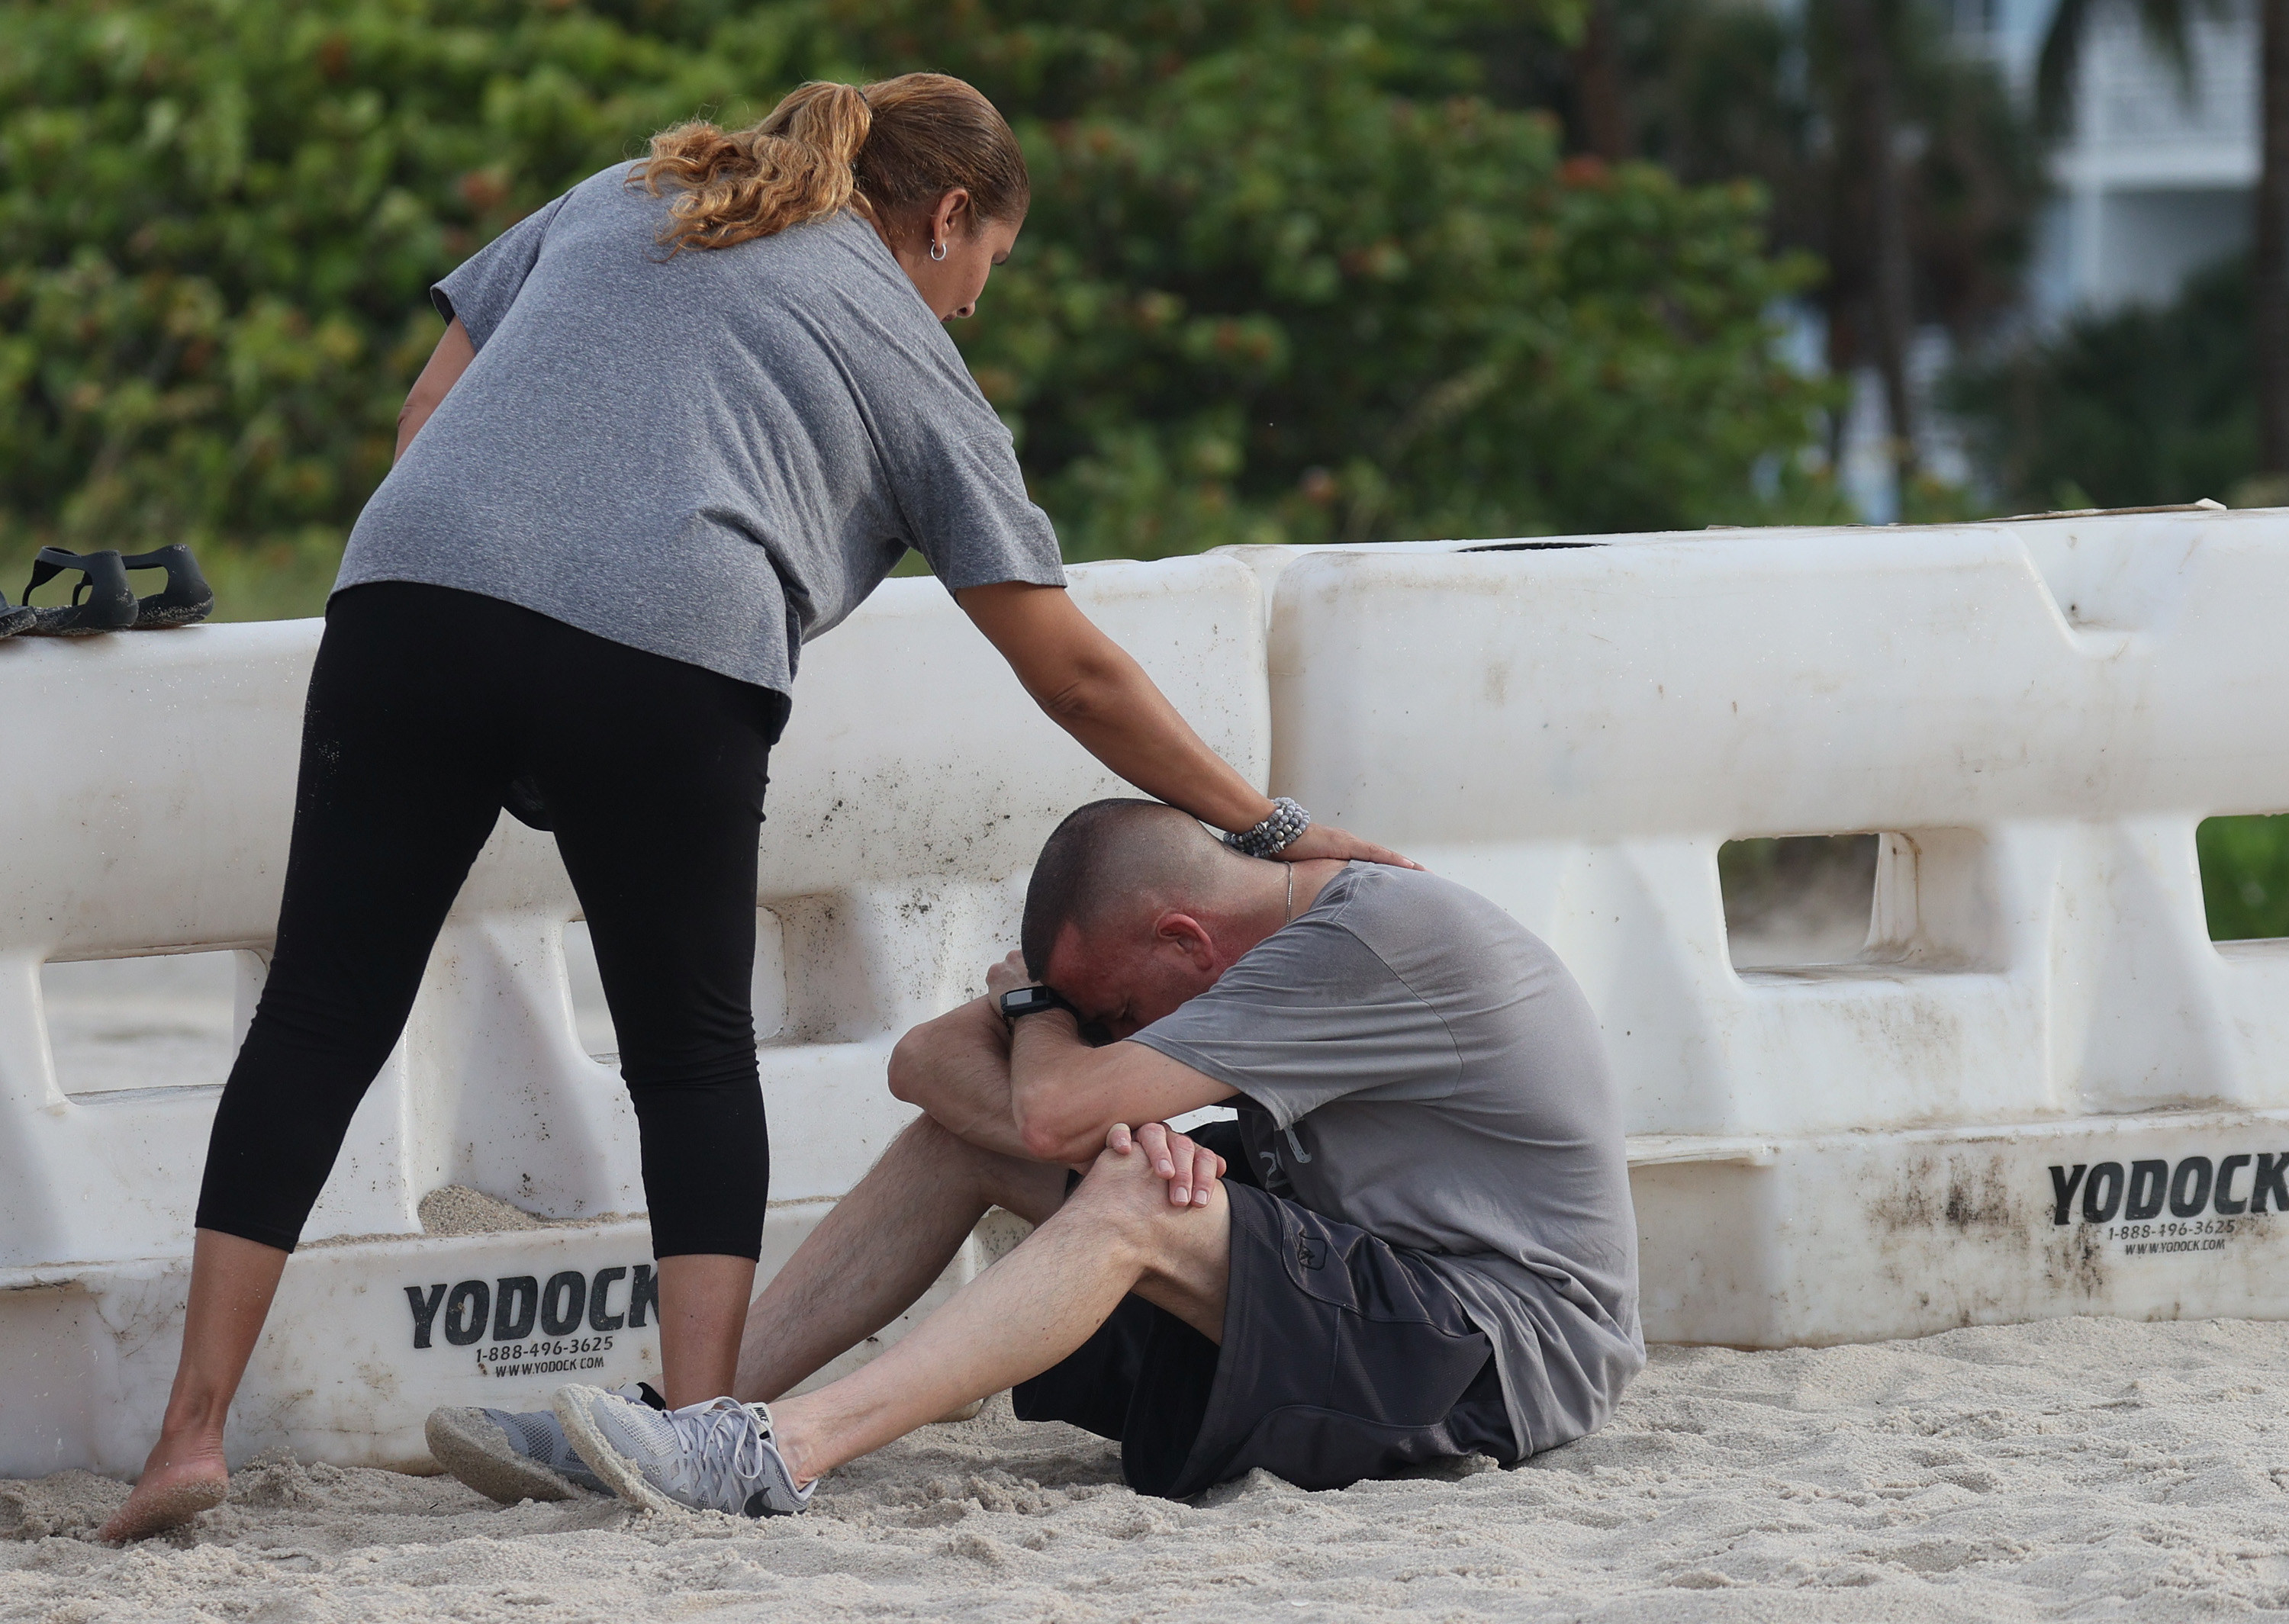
(957, 1068)
(1041, 1092)
(1065, 1095)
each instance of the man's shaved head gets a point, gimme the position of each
(1120, 857)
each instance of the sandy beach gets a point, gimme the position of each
(2074, 1469)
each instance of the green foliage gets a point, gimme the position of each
(217, 217)
(2245, 876)
(2140, 407)
(1289, 275)
(1300, 284)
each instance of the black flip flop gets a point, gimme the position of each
(186, 599)
(13, 619)
(102, 601)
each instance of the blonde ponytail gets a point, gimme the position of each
(884, 149)
(796, 165)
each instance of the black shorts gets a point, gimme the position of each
(1344, 1358)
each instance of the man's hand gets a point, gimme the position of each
(1008, 976)
(1191, 1169)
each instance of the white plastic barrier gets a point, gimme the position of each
(2019, 1099)
(145, 810)
(1988, 1115)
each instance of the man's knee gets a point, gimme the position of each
(1179, 1258)
(1124, 1197)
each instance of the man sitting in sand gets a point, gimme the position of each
(1415, 1244)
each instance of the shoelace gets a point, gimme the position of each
(724, 1439)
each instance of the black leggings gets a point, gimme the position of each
(430, 710)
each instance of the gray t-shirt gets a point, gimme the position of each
(714, 457)
(1417, 1063)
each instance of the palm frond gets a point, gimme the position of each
(2168, 26)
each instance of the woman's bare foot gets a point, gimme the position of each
(232, 1283)
(183, 1478)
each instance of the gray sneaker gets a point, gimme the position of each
(511, 1457)
(717, 1456)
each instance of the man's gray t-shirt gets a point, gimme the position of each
(1422, 1066)
(715, 456)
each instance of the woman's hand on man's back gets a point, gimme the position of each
(1325, 840)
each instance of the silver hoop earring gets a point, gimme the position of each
(937, 249)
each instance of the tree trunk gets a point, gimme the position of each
(2271, 293)
(1598, 94)
(1869, 78)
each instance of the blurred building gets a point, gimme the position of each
(2155, 175)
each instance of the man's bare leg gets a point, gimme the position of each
(880, 1249)
(1117, 1233)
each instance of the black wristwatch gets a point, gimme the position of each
(1033, 1000)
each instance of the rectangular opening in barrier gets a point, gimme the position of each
(157, 1021)
(1796, 900)
(591, 1017)
(2245, 876)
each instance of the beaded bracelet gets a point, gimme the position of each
(1275, 833)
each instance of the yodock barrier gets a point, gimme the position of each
(146, 811)
(2038, 1089)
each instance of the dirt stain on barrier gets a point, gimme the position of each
(1931, 1202)
(1980, 1201)
(2074, 1258)
(1937, 1199)
(1958, 1191)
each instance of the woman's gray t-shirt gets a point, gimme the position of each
(1417, 1063)
(714, 456)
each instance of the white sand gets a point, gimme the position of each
(2080, 1468)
